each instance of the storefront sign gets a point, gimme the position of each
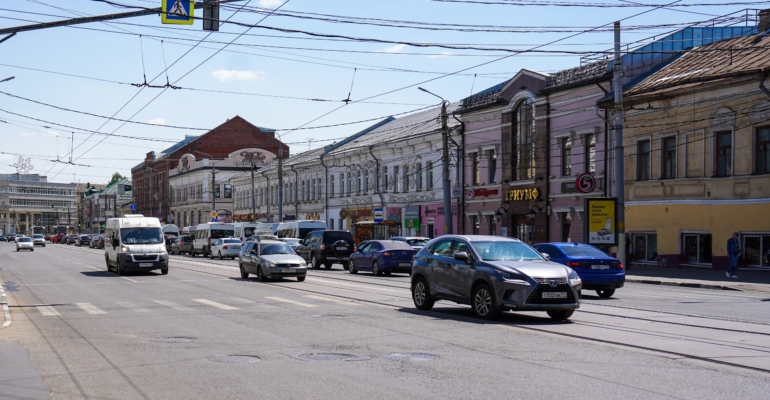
(585, 183)
(480, 192)
(343, 213)
(379, 215)
(313, 216)
(568, 187)
(601, 222)
(394, 214)
(412, 217)
(522, 194)
(457, 191)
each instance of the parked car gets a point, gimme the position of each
(83, 240)
(417, 242)
(169, 239)
(72, 239)
(94, 243)
(270, 259)
(292, 242)
(182, 245)
(226, 247)
(493, 274)
(38, 240)
(25, 243)
(3, 238)
(598, 270)
(325, 248)
(100, 244)
(382, 256)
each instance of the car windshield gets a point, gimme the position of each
(417, 242)
(25, 240)
(505, 251)
(396, 245)
(291, 241)
(582, 251)
(37, 236)
(232, 241)
(276, 248)
(141, 236)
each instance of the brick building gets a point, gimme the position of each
(150, 178)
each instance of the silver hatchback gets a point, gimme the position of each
(226, 247)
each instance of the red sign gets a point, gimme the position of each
(585, 183)
(481, 192)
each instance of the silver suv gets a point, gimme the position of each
(493, 274)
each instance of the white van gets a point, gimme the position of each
(210, 230)
(266, 228)
(244, 230)
(171, 230)
(189, 230)
(135, 243)
(298, 229)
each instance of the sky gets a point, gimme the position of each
(69, 80)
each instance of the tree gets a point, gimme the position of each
(115, 177)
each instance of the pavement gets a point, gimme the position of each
(748, 281)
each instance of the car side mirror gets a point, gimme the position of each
(546, 256)
(462, 256)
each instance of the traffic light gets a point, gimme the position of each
(78, 225)
(52, 207)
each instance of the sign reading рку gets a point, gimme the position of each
(600, 221)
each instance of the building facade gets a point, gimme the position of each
(28, 200)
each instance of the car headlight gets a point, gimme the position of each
(574, 278)
(124, 249)
(302, 264)
(271, 264)
(509, 275)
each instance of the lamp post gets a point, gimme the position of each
(446, 183)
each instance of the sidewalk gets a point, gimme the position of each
(753, 281)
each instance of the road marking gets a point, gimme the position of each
(173, 305)
(94, 268)
(244, 301)
(214, 304)
(133, 307)
(129, 279)
(292, 302)
(90, 308)
(47, 311)
(347, 303)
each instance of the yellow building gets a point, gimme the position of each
(697, 157)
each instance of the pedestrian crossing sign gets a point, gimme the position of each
(178, 12)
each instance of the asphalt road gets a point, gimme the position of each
(81, 332)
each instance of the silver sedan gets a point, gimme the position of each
(227, 247)
(25, 243)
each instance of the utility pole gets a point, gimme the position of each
(446, 183)
(213, 189)
(253, 195)
(280, 183)
(617, 88)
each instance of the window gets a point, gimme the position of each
(763, 152)
(756, 249)
(318, 183)
(669, 158)
(589, 153)
(228, 191)
(406, 178)
(350, 184)
(358, 182)
(643, 160)
(331, 186)
(366, 181)
(724, 154)
(697, 248)
(303, 191)
(491, 166)
(566, 157)
(429, 167)
(475, 224)
(217, 190)
(442, 248)
(644, 247)
(342, 184)
(475, 173)
(418, 176)
(313, 183)
(396, 183)
(524, 141)
(384, 179)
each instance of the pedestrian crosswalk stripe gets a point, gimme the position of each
(90, 308)
(133, 307)
(292, 302)
(244, 301)
(47, 311)
(215, 304)
(173, 305)
(321, 298)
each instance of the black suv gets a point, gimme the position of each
(327, 248)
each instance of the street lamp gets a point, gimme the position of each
(532, 212)
(445, 165)
(499, 215)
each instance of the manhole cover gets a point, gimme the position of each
(328, 316)
(173, 339)
(411, 356)
(235, 359)
(327, 357)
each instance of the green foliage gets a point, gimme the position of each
(115, 177)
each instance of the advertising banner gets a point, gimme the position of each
(412, 217)
(601, 224)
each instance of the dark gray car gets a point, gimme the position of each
(270, 259)
(493, 274)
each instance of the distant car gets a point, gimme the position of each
(598, 270)
(226, 247)
(94, 243)
(38, 240)
(83, 240)
(25, 243)
(168, 239)
(493, 274)
(11, 238)
(292, 242)
(100, 244)
(47, 237)
(382, 256)
(270, 259)
(3, 238)
(182, 245)
(322, 247)
(16, 239)
(417, 242)
(72, 239)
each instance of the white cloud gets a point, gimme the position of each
(442, 55)
(157, 121)
(229, 75)
(6, 157)
(269, 3)
(394, 49)
(28, 134)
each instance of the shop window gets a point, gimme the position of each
(668, 170)
(491, 166)
(589, 154)
(756, 249)
(724, 154)
(566, 157)
(228, 191)
(697, 248)
(475, 173)
(475, 224)
(524, 141)
(644, 247)
(643, 160)
(763, 150)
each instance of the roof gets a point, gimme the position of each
(494, 94)
(734, 57)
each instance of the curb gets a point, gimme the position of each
(6, 311)
(683, 284)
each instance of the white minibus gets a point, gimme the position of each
(298, 229)
(244, 230)
(134, 243)
(210, 230)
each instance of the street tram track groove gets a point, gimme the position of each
(547, 332)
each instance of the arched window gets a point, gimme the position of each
(418, 176)
(186, 222)
(524, 141)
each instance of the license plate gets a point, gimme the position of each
(404, 264)
(145, 264)
(342, 248)
(554, 295)
(286, 270)
(600, 267)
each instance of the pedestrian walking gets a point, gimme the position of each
(733, 250)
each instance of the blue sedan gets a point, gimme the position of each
(598, 271)
(382, 256)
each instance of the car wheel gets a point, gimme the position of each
(118, 270)
(327, 265)
(164, 271)
(352, 269)
(605, 293)
(300, 279)
(314, 262)
(421, 295)
(260, 274)
(17, 249)
(220, 256)
(376, 269)
(560, 315)
(244, 274)
(107, 261)
(483, 302)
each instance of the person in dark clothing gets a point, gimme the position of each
(733, 250)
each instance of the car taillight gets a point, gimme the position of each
(617, 265)
(386, 254)
(573, 264)
(224, 247)
(322, 247)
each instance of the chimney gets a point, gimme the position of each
(149, 158)
(764, 21)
